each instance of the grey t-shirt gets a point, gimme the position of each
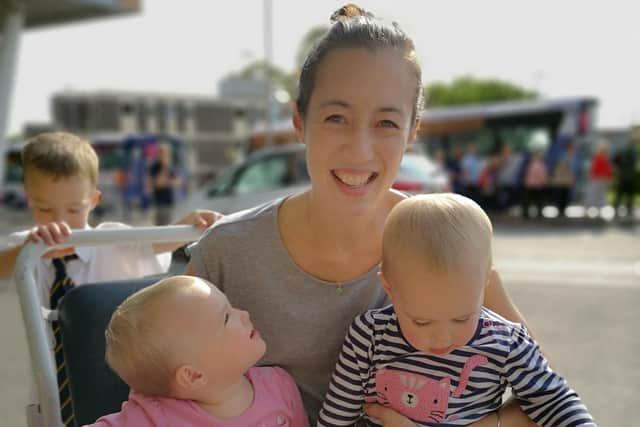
(302, 319)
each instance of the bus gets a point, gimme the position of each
(547, 125)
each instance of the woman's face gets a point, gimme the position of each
(357, 126)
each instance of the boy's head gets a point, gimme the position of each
(181, 338)
(436, 260)
(60, 177)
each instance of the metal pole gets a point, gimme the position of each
(42, 365)
(9, 43)
(268, 60)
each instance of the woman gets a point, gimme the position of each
(305, 265)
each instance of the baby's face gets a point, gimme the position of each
(437, 312)
(224, 338)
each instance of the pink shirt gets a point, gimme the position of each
(276, 403)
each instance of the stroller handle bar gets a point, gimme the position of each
(43, 369)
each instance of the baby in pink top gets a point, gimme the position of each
(188, 357)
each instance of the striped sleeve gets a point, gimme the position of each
(343, 403)
(542, 394)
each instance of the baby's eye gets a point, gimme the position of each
(420, 323)
(462, 320)
(74, 211)
(388, 124)
(226, 318)
(45, 210)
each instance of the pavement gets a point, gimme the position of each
(577, 282)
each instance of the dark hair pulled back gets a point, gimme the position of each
(353, 27)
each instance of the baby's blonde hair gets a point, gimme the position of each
(442, 230)
(136, 348)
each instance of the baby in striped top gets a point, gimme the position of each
(436, 355)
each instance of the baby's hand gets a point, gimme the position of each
(52, 234)
(200, 218)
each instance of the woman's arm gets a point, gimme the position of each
(510, 416)
(497, 299)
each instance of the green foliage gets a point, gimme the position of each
(259, 70)
(310, 39)
(469, 90)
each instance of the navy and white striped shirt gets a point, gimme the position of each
(377, 364)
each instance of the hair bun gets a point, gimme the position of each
(348, 11)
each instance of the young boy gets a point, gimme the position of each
(60, 177)
(195, 367)
(436, 355)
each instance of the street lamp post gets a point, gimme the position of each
(268, 60)
(12, 22)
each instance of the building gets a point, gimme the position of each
(215, 130)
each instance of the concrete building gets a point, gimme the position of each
(215, 130)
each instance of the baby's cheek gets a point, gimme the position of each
(465, 334)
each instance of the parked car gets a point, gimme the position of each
(275, 172)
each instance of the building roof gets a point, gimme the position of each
(39, 13)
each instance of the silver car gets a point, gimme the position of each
(276, 172)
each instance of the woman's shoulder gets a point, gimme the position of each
(252, 220)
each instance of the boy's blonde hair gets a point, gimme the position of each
(60, 155)
(137, 348)
(443, 230)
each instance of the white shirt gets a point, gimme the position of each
(99, 263)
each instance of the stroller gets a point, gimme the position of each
(83, 315)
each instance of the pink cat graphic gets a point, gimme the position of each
(419, 397)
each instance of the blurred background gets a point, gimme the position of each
(532, 109)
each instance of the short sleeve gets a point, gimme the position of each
(146, 261)
(542, 394)
(17, 238)
(136, 412)
(206, 256)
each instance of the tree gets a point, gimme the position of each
(261, 70)
(470, 90)
(307, 43)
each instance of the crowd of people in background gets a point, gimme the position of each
(534, 179)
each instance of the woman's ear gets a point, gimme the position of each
(298, 124)
(385, 285)
(413, 132)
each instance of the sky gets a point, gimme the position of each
(558, 47)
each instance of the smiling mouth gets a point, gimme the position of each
(354, 180)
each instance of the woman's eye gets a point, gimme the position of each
(226, 318)
(44, 210)
(74, 211)
(388, 124)
(335, 118)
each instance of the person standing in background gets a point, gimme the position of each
(164, 182)
(600, 177)
(626, 164)
(535, 183)
(563, 179)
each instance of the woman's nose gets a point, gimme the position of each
(360, 142)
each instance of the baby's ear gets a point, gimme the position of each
(385, 284)
(188, 378)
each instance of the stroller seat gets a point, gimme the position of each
(83, 316)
